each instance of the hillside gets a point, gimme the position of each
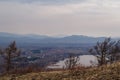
(107, 72)
(47, 41)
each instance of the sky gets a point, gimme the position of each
(61, 17)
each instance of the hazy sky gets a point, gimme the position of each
(55, 17)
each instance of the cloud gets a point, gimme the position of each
(89, 17)
(44, 1)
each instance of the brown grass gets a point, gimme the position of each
(106, 72)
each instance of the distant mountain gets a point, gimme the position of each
(11, 35)
(32, 39)
(81, 39)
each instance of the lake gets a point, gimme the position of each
(85, 60)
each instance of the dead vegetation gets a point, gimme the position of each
(105, 72)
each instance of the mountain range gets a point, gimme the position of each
(33, 39)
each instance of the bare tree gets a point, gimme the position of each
(104, 50)
(71, 62)
(9, 54)
(114, 54)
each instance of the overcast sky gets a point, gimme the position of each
(56, 17)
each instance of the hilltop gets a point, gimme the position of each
(106, 72)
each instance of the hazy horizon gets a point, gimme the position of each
(61, 17)
(57, 35)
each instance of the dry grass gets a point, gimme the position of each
(106, 72)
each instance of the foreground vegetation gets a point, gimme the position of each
(106, 52)
(105, 72)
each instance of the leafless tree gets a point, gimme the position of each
(9, 54)
(114, 54)
(71, 62)
(105, 51)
